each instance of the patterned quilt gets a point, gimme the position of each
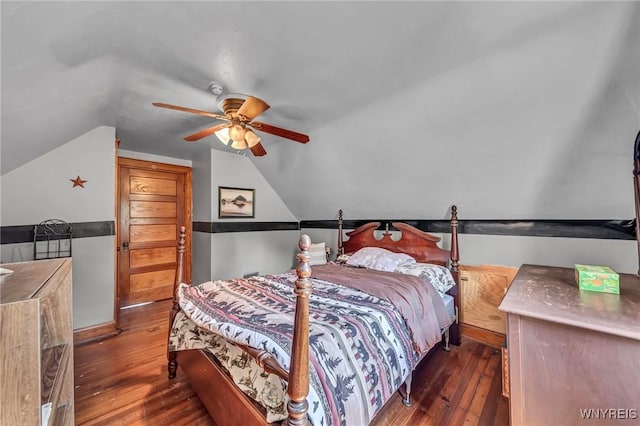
(266, 389)
(360, 354)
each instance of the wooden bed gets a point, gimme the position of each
(225, 401)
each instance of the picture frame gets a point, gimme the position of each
(236, 203)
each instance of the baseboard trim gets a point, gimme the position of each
(95, 332)
(482, 335)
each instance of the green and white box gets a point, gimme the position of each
(597, 278)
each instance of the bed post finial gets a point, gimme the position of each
(455, 255)
(298, 387)
(454, 330)
(386, 230)
(340, 248)
(172, 364)
(181, 249)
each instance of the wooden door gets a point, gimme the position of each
(154, 202)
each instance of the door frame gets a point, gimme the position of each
(158, 167)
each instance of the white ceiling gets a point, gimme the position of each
(485, 90)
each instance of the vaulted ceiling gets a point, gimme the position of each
(510, 109)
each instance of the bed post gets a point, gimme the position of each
(454, 330)
(455, 255)
(172, 364)
(636, 187)
(340, 248)
(298, 387)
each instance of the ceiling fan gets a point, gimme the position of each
(238, 127)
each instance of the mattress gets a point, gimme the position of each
(448, 303)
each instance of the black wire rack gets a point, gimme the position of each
(52, 239)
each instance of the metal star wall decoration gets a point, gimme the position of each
(78, 182)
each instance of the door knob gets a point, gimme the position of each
(125, 246)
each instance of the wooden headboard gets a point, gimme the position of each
(416, 243)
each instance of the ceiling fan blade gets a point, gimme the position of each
(191, 110)
(205, 132)
(252, 107)
(258, 150)
(278, 131)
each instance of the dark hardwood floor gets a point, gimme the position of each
(123, 381)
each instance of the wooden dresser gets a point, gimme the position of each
(36, 337)
(571, 351)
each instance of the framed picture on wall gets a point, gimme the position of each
(236, 203)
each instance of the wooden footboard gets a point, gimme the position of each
(226, 403)
(223, 399)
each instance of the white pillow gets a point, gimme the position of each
(379, 259)
(318, 254)
(438, 276)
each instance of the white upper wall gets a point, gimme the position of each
(539, 124)
(238, 171)
(202, 189)
(234, 254)
(41, 189)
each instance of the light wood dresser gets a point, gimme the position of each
(482, 288)
(36, 337)
(574, 356)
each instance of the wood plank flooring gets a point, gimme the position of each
(123, 381)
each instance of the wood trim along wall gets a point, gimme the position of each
(116, 209)
(482, 335)
(598, 229)
(223, 227)
(24, 233)
(95, 332)
(605, 229)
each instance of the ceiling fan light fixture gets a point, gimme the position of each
(251, 138)
(223, 135)
(236, 132)
(241, 144)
